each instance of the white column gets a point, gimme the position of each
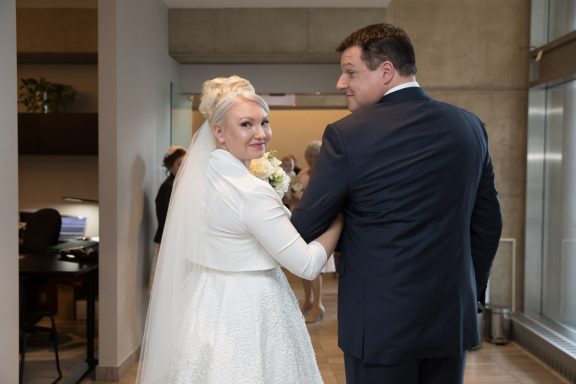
(8, 195)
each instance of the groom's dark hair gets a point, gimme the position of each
(383, 42)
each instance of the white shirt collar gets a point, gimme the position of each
(408, 84)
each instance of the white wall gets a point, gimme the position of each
(8, 195)
(135, 72)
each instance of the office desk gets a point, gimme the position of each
(50, 265)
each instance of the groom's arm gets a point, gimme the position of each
(326, 191)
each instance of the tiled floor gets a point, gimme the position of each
(492, 364)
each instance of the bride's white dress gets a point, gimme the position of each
(224, 313)
(244, 327)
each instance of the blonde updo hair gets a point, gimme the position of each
(219, 94)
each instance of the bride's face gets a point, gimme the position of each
(245, 132)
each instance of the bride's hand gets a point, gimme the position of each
(329, 239)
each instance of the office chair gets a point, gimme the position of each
(42, 230)
(29, 326)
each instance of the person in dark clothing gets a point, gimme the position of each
(414, 181)
(172, 160)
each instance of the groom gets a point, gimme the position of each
(414, 180)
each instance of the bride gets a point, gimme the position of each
(221, 309)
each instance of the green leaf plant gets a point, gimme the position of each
(42, 96)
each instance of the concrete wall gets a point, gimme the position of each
(135, 72)
(266, 78)
(264, 35)
(8, 196)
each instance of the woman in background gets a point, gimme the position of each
(173, 158)
(312, 307)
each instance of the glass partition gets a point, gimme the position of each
(562, 18)
(181, 117)
(551, 19)
(559, 237)
(550, 241)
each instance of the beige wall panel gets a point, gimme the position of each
(292, 130)
(264, 36)
(328, 27)
(193, 37)
(238, 30)
(468, 43)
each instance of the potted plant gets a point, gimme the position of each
(44, 96)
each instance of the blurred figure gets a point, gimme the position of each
(288, 165)
(173, 157)
(312, 307)
(296, 167)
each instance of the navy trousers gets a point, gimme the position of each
(419, 371)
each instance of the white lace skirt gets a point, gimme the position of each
(243, 327)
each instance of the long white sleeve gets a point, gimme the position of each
(268, 220)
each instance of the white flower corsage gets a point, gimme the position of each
(268, 169)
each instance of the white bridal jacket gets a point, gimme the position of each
(247, 227)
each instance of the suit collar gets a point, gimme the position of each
(403, 94)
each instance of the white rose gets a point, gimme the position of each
(275, 162)
(261, 168)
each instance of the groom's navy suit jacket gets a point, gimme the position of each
(414, 181)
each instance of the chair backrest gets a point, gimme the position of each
(42, 230)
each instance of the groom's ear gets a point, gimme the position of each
(387, 70)
(218, 133)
